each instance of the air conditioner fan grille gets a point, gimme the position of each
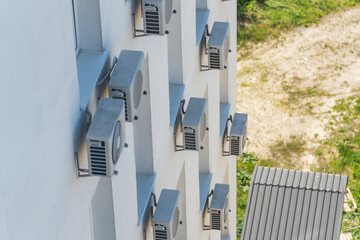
(235, 145)
(98, 159)
(189, 139)
(152, 23)
(160, 234)
(215, 220)
(214, 59)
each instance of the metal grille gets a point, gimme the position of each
(215, 220)
(98, 158)
(214, 58)
(160, 232)
(120, 94)
(235, 145)
(189, 138)
(152, 23)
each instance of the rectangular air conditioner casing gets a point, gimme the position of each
(219, 207)
(108, 120)
(194, 124)
(219, 45)
(166, 218)
(126, 81)
(238, 134)
(154, 16)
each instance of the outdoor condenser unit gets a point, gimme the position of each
(126, 82)
(238, 134)
(194, 124)
(106, 137)
(167, 215)
(218, 45)
(219, 207)
(157, 14)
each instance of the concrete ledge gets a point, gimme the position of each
(224, 115)
(175, 94)
(204, 183)
(202, 16)
(90, 67)
(144, 185)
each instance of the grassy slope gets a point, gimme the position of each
(258, 21)
(261, 21)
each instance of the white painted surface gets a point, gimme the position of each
(40, 196)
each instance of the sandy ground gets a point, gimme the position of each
(289, 85)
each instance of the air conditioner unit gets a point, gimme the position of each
(167, 215)
(238, 134)
(218, 45)
(219, 207)
(157, 14)
(126, 82)
(194, 124)
(106, 137)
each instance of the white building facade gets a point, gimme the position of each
(53, 58)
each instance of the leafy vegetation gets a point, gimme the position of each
(340, 154)
(258, 19)
(245, 167)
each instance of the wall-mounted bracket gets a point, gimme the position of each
(206, 211)
(182, 109)
(227, 153)
(88, 119)
(206, 35)
(100, 82)
(136, 31)
(80, 172)
(153, 204)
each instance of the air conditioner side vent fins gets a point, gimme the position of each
(152, 19)
(214, 57)
(215, 220)
(189, 139)
(160, 232)
(122, 95)
(98, 159)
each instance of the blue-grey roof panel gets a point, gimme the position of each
(218, 33)
(284, 204)
(166, 206)
(126, 68)
(194, 111)
(220, 194)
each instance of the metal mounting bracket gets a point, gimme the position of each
(80, 172)
(207, 34)
(227, 153)
(179, 148)
(135, 31)
(206, 209)
(100, 82)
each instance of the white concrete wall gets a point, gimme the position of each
(40, 196)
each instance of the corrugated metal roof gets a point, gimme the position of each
(287, 204)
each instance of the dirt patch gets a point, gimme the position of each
(288, 86)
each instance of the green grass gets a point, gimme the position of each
(339, 154)
(258, 20)
(245, 168)
(303, 99)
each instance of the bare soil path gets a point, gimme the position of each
(288, 87)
